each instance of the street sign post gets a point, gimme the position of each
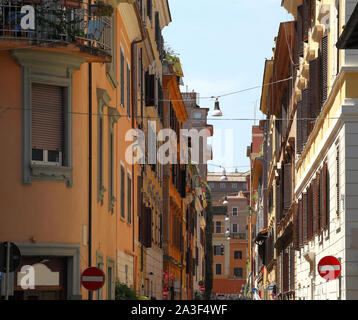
(329, 268)
(10, 257)
(92, 278)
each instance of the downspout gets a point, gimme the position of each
(90, 293)
(134, 99)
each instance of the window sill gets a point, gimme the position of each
(51, 173)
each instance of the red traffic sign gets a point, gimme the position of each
(202, 289)
(329, 268)
(92, 278)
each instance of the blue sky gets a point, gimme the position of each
(222, 45)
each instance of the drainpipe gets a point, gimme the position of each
(90, 293)
(134, 98)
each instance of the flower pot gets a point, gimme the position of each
(75, 4)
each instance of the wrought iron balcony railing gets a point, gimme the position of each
(58, 21)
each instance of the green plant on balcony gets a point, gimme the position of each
(102, 9)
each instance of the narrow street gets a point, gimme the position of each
(197, 153)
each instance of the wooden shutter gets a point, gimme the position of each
(314, 207)
(296, 228)
(321, 202)
(300, 222)
(304, 212)
(314, 103)
(299, 136)
(323, 70)
(278, 197)
(324, 196)
(305, 115)
(147, 227)
(128, 91)
(310, 213)
(149, 89)
(47, 117)
(318, 202)
(122, 76)
(287, 185)
(306, 18)
(123, 192)
(299, 31)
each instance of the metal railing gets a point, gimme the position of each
(56, 21)
(238, 235)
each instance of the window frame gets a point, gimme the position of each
(59, 70)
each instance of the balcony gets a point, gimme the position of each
(240, 235)
(69, 26)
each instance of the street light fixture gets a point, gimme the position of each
(217, 112)
(223, 177)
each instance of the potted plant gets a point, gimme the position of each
(102, 9)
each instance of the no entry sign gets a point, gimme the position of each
(92, 278)
(329, 268)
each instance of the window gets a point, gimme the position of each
(128, 91)
(238, 272)
(100, 265)
(237, 254)
(122, 78)
(129, 199)
(100, 158)
(57, 74)
(218, 250)
(234, 211)
(111, 198)
(218, 268)
(123, 177)
(150, 10)
(234, 185)
(197, 115)
(110, 279)
(222, 185)
(47, 124)
(211, 185)
(109, 283)
(218, 227)
(234, 228)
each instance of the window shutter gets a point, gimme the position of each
(321, 202)
(149, 89)
(296, 234)
(47, 117)
(306, 18)
(305, 215)
(310, 213)
(128, 91)
(287, 186)
(300, 221)
(299, 32)
(123, 192)
(278, 198)
(314, 207)
(148, 227)
(324, 196)
(314, 92)
(323, 70)
(122, 77)
(299, 136)
(305, 115)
